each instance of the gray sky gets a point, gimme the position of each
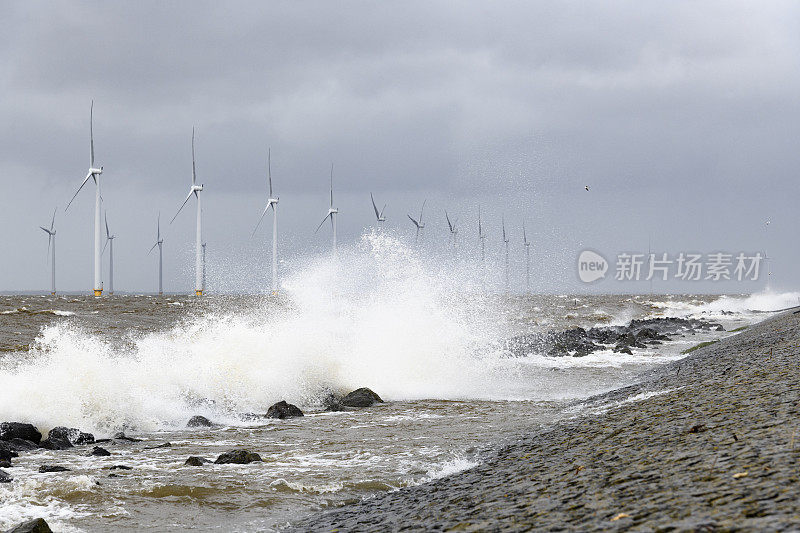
(682, 117)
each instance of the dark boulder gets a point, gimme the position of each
(239, 457)
(199, 421)
(165, 445)
(283, 410)
(195, 460)
(73, 435)
(333, 403)
(55, 443)
(100, 452)
(37, 525)
(362, 397)
(22, 445)
(5, 463)
(53, 468)
(5, 477)
(120, 467)
(18, 430)
(6, 452)
(121, 436)
(621, 348)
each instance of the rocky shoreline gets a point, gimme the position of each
(707, 443)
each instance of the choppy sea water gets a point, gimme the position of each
(430, 347)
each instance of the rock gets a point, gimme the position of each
(165, 445)
(621, 348)
(362, 397)
(199, 421)
(283, 410)
(55, 443)
(332, 402)
(6, 452)
(5, 477)
(37, 525)
(22, 445)
(18, 430)
(100, 452)
(53, 468)
(239, 457)
(121, 436)
(73, 435)
(5, 463)
(195, 460)
(120, 467)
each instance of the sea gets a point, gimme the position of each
(432, 342)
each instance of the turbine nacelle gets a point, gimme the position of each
(196, 188)
(272, 201)
(332, 211)
(93, 171)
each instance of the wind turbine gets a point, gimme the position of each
(332, 212)
(482, 239)
(505, 240)
(452, 227)
(51, 251)
(418, 223)
(195, 189)
(159, 243)
(110, 242)
(527, 244)
(273, 203)
(378, 214)
(94, 173)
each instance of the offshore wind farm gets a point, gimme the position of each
(553, 286)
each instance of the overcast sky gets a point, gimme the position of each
(683, 118)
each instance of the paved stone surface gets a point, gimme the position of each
(709, 443)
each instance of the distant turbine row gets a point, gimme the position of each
(95, 173)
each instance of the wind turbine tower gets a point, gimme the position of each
(159, 243)
(51, 251)
(527, 244)
(195, 190)
(332, 212)
(482, 239)
(272, 202)
(110, 243)
(505, 240)
(94, 173)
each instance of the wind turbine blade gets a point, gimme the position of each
(181, 208)
(375, 207)
(449, 225)
(79, 189)
(108, 233)
(45, 230)
(53, 222)
(158, 227)
(422, 210)
(269, 170)
(151, 249)
(49, 239)
(414, 221)
(260, 219)
(524, 233)
(105, 246)
(321, 223)
(91, 135)
(480, 227)
(384, 209)
(331, 185)
(194, 174)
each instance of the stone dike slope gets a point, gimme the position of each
(708, 443)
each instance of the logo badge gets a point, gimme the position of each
(591, 266)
